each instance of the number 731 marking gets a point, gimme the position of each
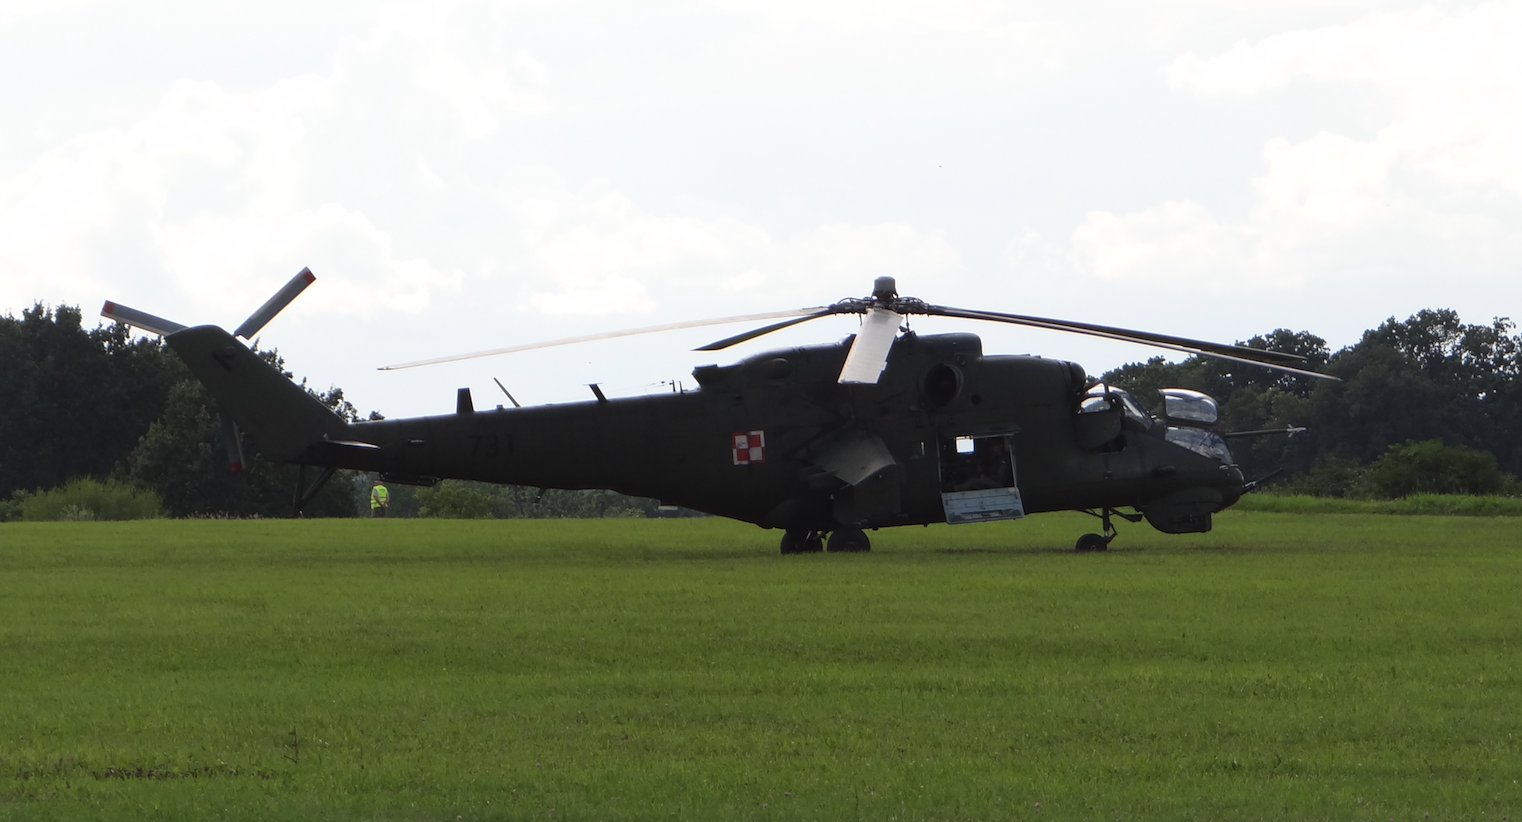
(489, 445)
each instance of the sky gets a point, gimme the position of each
(465, 175)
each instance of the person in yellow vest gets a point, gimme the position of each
(379, 499)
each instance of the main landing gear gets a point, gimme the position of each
(842, 540)
(1101, 542)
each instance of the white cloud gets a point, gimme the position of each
(1419, 190)
(1173, 242)
(595, 251)
(1456, 80)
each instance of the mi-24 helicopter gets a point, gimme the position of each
(824, 442)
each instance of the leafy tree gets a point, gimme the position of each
(1428, 377)
(74, 402)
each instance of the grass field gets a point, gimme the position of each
(1346, 667)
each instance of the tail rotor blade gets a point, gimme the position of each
(259, 319)
(869, 353)
(139, 319)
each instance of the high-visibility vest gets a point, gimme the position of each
(378, 496)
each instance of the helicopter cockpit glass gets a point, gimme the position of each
(1187, 407)
(1097, 400)
(1200, 441)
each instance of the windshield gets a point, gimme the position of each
(1200, 442)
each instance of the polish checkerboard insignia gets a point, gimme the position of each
(749, 447)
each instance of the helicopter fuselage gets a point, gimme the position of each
(775, 440)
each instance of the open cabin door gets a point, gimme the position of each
(978, 478)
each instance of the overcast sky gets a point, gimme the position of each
(467, 175)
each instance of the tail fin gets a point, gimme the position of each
(254, 396)
(280, 415)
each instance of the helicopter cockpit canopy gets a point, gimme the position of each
(1202, 442)
(1097, 400)
(1189, 415)
(1185, 407)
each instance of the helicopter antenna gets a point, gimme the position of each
(515, 403)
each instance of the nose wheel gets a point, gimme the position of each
(1101, 542)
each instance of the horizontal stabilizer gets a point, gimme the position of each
(117, 312)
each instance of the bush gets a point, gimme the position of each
(10, 510)
(1332, 477)
(86, 499)
(452, 499)
(1431, 467)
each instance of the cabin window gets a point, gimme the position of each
(986, 462)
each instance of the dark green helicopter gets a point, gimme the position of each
(884, 428)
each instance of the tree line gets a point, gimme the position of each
(1427, 397)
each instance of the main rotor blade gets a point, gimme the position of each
(1127, 334)
(274, 305)
(117, 312)
(1180, 344)
(607, 335)
(869, 351)
(767, 329)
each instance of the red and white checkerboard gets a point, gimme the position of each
(750, 447)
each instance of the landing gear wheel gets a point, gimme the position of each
(849, 540)
(802, 542)
(1091, 542)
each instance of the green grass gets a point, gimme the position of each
(1342, 667)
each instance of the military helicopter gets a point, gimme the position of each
(824, 442)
